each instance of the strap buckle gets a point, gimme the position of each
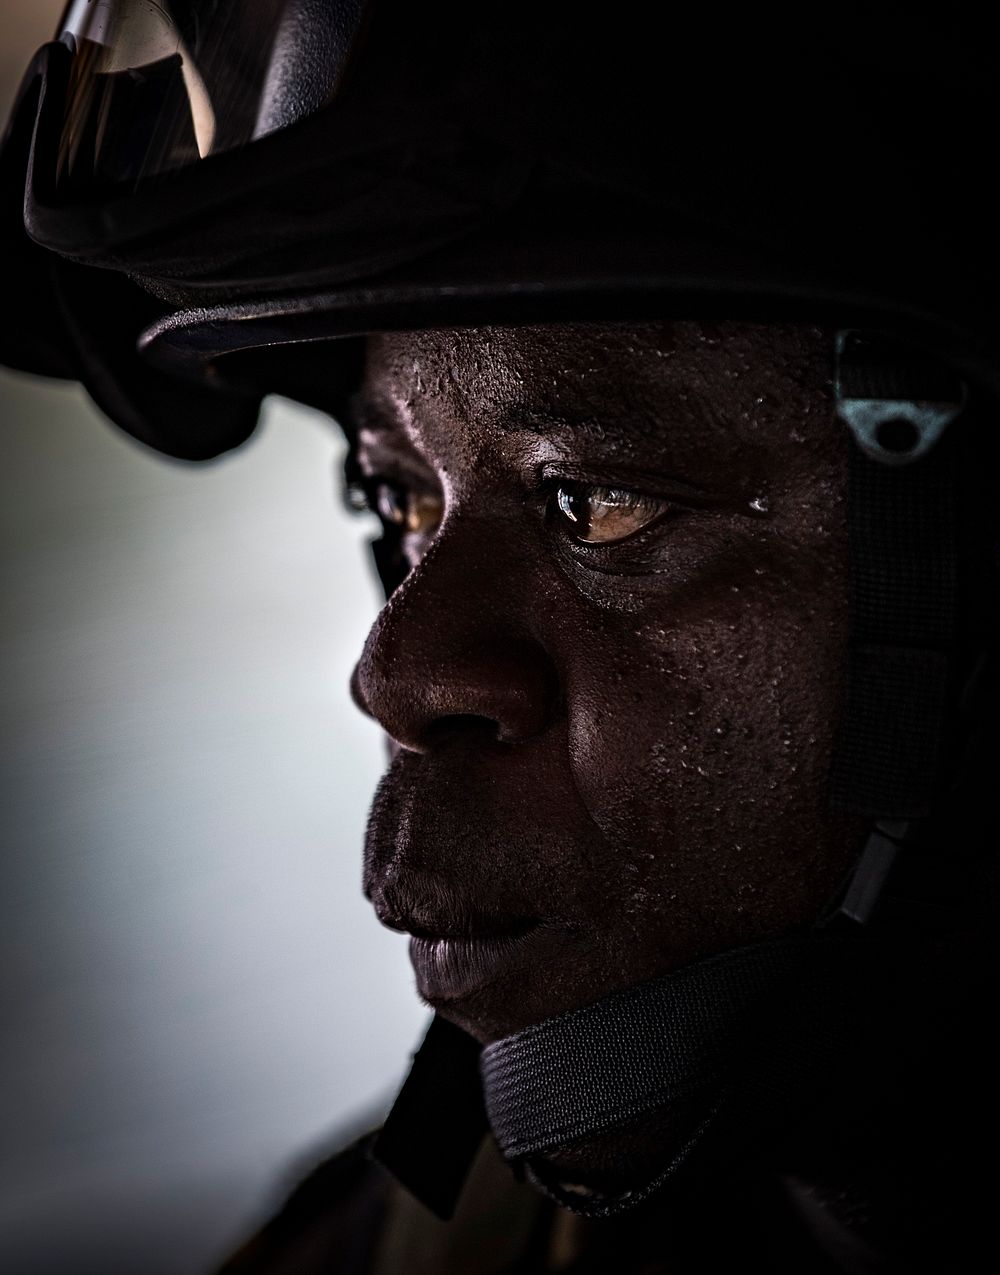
(895, 400)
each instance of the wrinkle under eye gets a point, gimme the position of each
(606, 515)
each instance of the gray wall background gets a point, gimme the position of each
(196, 1000)
(195, 994)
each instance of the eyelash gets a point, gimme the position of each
(373, 494)
(555, 493)
(561, 492)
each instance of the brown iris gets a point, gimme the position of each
(416, 512)
(605, 515)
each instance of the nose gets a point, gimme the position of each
(452, 651)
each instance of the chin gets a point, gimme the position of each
(496, 986)
(622, 1160)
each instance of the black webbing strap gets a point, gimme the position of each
(903, 542)
(686, 1035)
(675, 1037)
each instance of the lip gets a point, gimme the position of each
(450, 967)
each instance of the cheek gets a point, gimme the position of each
(702, 753)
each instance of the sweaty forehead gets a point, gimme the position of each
(729, 386)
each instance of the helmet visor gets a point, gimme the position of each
(157, 85)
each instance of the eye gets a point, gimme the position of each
(415, 512)
(605, 515)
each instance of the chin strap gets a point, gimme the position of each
(911, 746)
(733, 1043)
(902, 523)
(671, 1040)
(691, 1039)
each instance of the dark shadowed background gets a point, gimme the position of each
(196, 998)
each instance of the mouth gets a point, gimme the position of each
(456, 951)
(451, 967)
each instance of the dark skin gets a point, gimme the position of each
(612, 673)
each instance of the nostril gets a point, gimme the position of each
(428, 672)
(461, 727)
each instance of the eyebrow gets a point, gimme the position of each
(513, 418)
(521, 418)
(516, 418)
(362, 413)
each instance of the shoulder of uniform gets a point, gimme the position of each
(330, 1221)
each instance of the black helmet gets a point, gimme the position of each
(213, 177)
(215, 196)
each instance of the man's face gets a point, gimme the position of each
(612, 672)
